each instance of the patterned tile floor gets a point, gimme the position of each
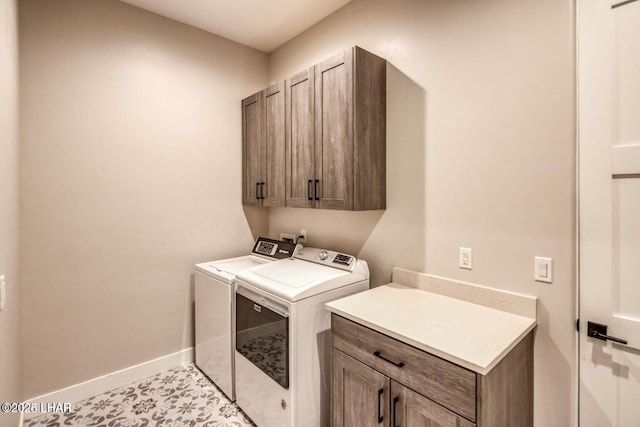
(179, 397)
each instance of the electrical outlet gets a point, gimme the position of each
(303, 238)
(287, 237)
(465, 259)
(3, 292)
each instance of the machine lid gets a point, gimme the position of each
(264, 250)
(296, 279)
(226, 270)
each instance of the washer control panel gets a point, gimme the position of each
(327, 257)
(266, 248)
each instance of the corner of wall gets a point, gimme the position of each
(10, 360)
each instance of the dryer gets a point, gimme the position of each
(283, 335)
(214, 309)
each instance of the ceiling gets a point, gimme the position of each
(261, 24)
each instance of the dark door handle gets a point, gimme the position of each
(599, 331)
(262, 190)
(316, 189)
(395, 401)
(257, 191)
(380, 392)
(398, 364)
(309, 190)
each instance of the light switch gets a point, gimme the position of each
(543, 269)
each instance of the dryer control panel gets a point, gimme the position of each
(327, 257)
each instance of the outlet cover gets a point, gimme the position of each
(466, 258)
(287, 237)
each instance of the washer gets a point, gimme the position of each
(214, 305)
(283, 335)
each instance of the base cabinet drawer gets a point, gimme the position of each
(383, 382)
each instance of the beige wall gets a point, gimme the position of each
(130, 174)
(481, 154)
(10, 384)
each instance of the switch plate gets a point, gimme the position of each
(543, 269)
(3, 292)
(465, 259)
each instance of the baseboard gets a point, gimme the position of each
(117, 379)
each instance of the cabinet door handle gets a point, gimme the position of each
(262, 190)
(398, 364)
(380, 392)
(395, 401)
(316, 190)
(257, 191)
(309, 190)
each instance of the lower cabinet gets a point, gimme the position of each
(409, 408)
(360, 394)
(380, 381)
(364, 397)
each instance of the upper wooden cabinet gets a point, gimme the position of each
(263, 147)
(300, 166)
(335, 133)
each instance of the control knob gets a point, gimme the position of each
(323, 255)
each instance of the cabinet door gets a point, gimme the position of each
(252, 149)
(360, 394)
(300, 173)
(410, 409)
(273, 161)
(334, 131)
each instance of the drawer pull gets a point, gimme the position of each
(380, 419)
(395, 401)
(378, 354)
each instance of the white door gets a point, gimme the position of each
(609, 210)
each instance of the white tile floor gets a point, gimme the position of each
(179, 397)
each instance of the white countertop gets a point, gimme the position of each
(471, 335)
